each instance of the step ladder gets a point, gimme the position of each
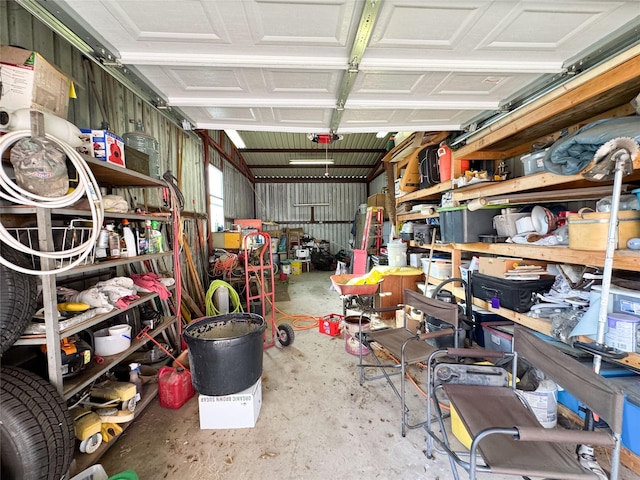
(371, 243)
(374, 221)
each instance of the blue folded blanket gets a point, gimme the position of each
(571, 154)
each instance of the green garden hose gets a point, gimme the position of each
(233, 297)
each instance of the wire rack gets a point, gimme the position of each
(75, 233)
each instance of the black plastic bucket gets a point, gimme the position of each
(225, 352)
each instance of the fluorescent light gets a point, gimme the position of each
(381, 134)
(311, 162)
(235, 137)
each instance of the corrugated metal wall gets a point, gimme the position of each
(378, 184)
(96, 88)
(276, 202)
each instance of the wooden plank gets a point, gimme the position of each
(574, 102)
(431, 192)
(623, 259)
(535, 181)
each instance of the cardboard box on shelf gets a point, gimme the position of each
(29, 81)
(239, 410)
(226, 240)
(499, 266)
(378, 200)
(136, 160)
(103, 145)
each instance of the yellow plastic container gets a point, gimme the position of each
(459, 430)
(296, 267)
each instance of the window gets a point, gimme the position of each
(216, 199)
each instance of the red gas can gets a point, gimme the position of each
(174, 387)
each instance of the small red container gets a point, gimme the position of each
(330, 324)
(174, 387)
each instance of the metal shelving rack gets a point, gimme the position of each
(113, 177)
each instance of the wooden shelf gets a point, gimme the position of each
(109, 175)
(623, 259)
(538, 324)
(405, 217)
(431, 192)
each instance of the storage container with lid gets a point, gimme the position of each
(533, 162)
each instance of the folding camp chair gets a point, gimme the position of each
(506, 437)
(407, 347)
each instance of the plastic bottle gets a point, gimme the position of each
(134, 377)
(147, 227)
(141, 237)
(102, 244)
(129, 239)
(113, 251)
(155, 241)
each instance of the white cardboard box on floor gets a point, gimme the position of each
(239, 410)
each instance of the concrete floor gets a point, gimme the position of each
(316, 421)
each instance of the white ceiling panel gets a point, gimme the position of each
(348, 66)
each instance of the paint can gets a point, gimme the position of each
(352, 344)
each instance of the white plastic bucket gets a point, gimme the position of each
(397, 253)
(544, 403)
(286, 268)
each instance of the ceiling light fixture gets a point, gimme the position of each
(235, 137)
(324, 138)
(327, 161)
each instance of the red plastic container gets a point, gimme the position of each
(330, 324)
(174, 387)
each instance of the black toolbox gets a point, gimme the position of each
(516, 295)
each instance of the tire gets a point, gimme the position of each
(18, 301)
(285, 334)
(36, 428)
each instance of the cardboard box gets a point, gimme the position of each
(29, 81)
(240, 410)
(227, 240)
(378, 200)
(413, 321)
(103, 145)
(136, 160)
(499, 266)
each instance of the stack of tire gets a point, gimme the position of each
(36, 429)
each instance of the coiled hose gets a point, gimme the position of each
(87, 185)
(233, 296)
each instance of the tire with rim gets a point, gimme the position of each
(36, 429)
(18, 299)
